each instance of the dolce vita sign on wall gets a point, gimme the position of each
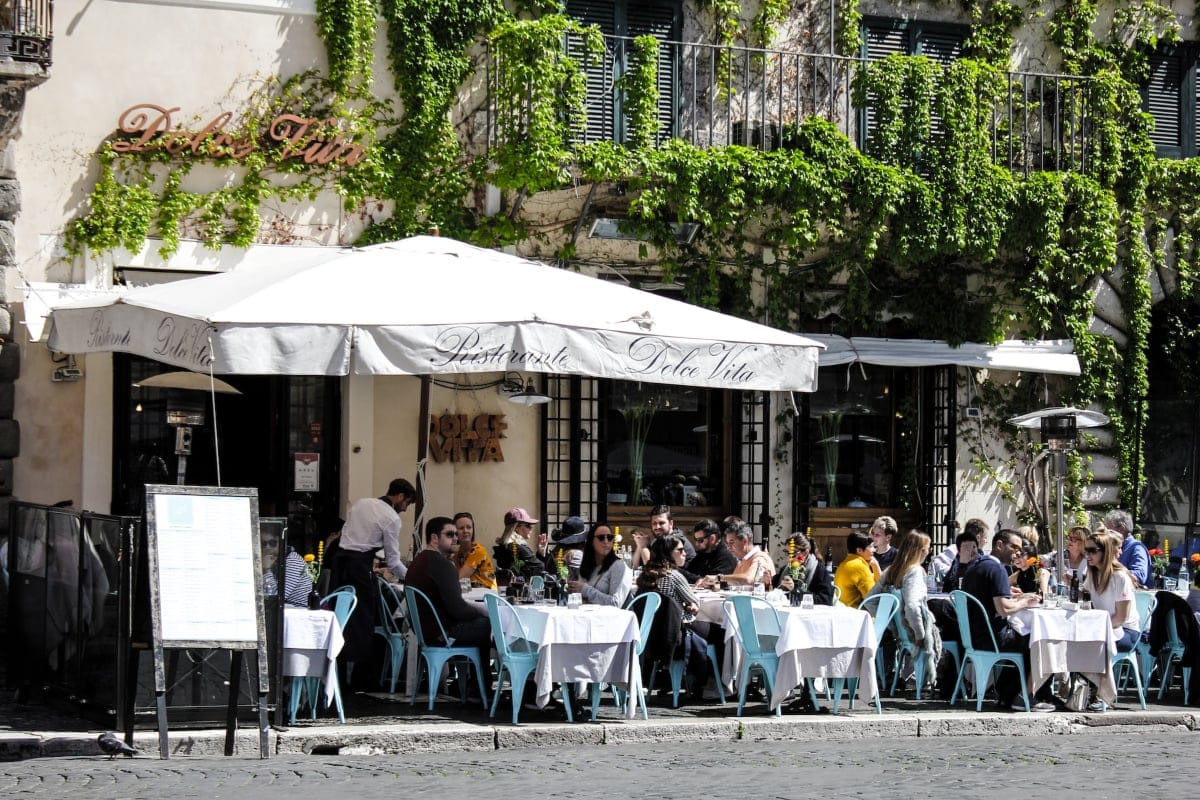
(458, 437)
(147, 127)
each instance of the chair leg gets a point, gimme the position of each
(958, 683)
(337, 700)
(594, 696)
(716, 668)
(920, 667)
(496, 695)
(1137, 681)
(294, 699)
(743, 679)
(676, 671)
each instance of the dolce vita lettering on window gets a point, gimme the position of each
(147, 127)
(457, 437)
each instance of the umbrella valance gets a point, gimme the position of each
(432, 305)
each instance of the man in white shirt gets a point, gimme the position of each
(372, 523)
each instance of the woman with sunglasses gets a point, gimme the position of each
(604, 577)
(662, 574)
(1075, 561)
(1111, 588)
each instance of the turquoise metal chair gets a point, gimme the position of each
(392, 631)
(1125, 663)
(907, 648)
(518, 659)
(882, 608)
(983, 659)
(1169, 656)
(758, 646)
(649, 603)
(342, 602)
(435, 657)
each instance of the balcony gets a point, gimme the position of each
(26, 32)
(713, 95)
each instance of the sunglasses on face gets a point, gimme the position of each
(1091, 551)
(680, 549)
(605, 537)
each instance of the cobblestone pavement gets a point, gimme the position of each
(1099, 765)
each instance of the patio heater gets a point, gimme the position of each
(183, 415)
(1059, 427)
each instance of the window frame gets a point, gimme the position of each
(1187, 56)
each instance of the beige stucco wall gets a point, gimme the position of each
(205, 57)
(486, 489)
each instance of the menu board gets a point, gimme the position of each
(204, 560)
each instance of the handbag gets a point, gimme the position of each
(1073, 691)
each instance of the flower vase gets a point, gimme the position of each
(314, 599)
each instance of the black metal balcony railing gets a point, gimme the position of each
(719, 95)
(26, 30)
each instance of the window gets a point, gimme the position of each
(621, 21)
(938, 41)
(1170, 97)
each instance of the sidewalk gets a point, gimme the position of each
(386, 724)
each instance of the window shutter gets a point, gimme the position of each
(942, 46)
(660, 20)
(1163, 98)
(601, 100)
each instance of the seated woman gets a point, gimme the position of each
(604, 579)
(804, 573)
(1111, 588)
(662, 575)
(512, 552)
(908, 576)
(471, 558)
(858, 571)
(1029, 576)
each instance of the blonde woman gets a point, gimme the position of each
(514, 544)
(1111, 588)
(471, 558)
(908, 577)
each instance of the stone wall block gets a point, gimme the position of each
(10, 362)
(10, 197)
(10, 438)
(8, 243)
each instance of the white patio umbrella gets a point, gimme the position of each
(432, 305)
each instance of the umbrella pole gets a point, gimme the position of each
(422, 455)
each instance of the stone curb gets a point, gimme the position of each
(465, 737)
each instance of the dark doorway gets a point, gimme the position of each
(261, 432)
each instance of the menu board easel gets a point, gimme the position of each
(206, 588)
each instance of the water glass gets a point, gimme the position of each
(537, 596)
(574, 600)
(465, 585)
(806, 602)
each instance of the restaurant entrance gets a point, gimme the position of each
(276, 423)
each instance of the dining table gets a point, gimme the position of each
(1063, 640)
(312, 640)
(585, 644)
(817, 642)
(825, 642)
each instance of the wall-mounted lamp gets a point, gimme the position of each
(66, 374)
(521, 394)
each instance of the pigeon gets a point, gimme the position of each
(110, 744)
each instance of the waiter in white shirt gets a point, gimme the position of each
(372, 523)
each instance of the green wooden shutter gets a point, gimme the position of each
(1163, 100)
(660, 20)
(601, 99)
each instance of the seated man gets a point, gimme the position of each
(944, 560)
(883, 530)
(987, 582)
(712, 556)
(858, 571)
(434, 573)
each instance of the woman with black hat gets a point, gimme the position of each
(604, 578)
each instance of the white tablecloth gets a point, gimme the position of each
(1069, 641)
(825, 642)
(589, 644)
(311, 643)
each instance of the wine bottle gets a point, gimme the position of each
(1074, 594)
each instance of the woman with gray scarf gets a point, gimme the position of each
(804, 573)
